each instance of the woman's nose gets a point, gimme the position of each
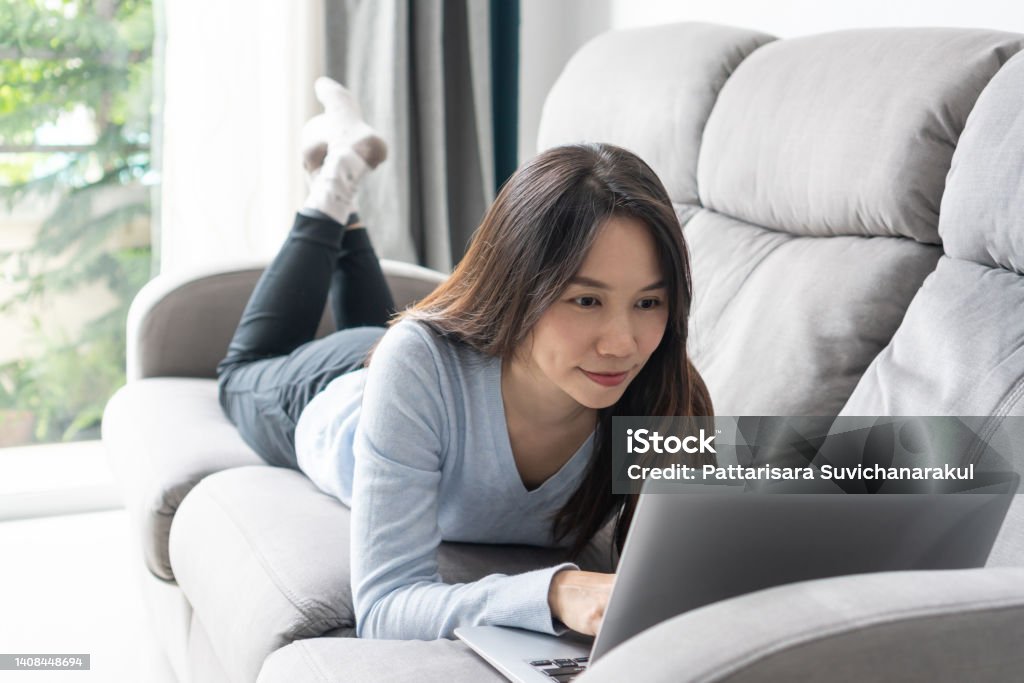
(617, 339)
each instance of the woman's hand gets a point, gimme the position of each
(578, 599)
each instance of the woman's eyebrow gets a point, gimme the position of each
(597, 284)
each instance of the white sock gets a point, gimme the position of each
(339, 148)
(333, 189)
(340, 125)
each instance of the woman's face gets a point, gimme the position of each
(597, 336)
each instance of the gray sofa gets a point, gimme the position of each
(854, 205)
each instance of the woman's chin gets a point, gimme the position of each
(599, 401)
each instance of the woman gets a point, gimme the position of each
(483, 413)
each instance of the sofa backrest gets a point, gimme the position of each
(651, 91)
(960, 349)
(819, 165)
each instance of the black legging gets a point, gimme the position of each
(273, 367)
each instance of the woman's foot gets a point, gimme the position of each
(341, 123)
(338, 149)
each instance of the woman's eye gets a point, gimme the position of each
(648, 304)
(586, 301)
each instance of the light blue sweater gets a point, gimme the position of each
(418, 447)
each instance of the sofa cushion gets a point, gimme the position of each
(982, 217)
(1008, 550)
(913, 627)
(960, 349)
(204, 666)
(263, 557)
(839, 144)
(162, 436)
(348, 660)
(666, 79)
(846, 133)
(786, 325)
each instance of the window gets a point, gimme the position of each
(76, 184)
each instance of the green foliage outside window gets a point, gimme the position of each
(92, 58)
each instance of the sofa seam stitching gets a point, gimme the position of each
(991, 425)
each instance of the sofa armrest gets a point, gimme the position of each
(408, 282)
(932, 626)
(162, 436)
(263, 558)
(180, 325)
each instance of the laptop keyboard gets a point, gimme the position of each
(561, 670)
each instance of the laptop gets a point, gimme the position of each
(689, 550)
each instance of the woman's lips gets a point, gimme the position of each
(606, 380)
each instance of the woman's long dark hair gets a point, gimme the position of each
(532, 241)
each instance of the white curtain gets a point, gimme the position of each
(238, 87)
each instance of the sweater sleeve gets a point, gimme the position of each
(399, 449)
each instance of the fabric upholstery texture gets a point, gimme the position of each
(1008, 550)
(345, 660)
(959, 349)
(162, 436)
(940, 627)
(170, 612)
(846, 133)
(786, 325)
(204, 664)
(981, 209)
(821, 172)
(666, 79)
(287, 545)
(169, 309)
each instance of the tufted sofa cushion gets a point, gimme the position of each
(821, 175)
(666, 80)
(959, 349)
(846, 133)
